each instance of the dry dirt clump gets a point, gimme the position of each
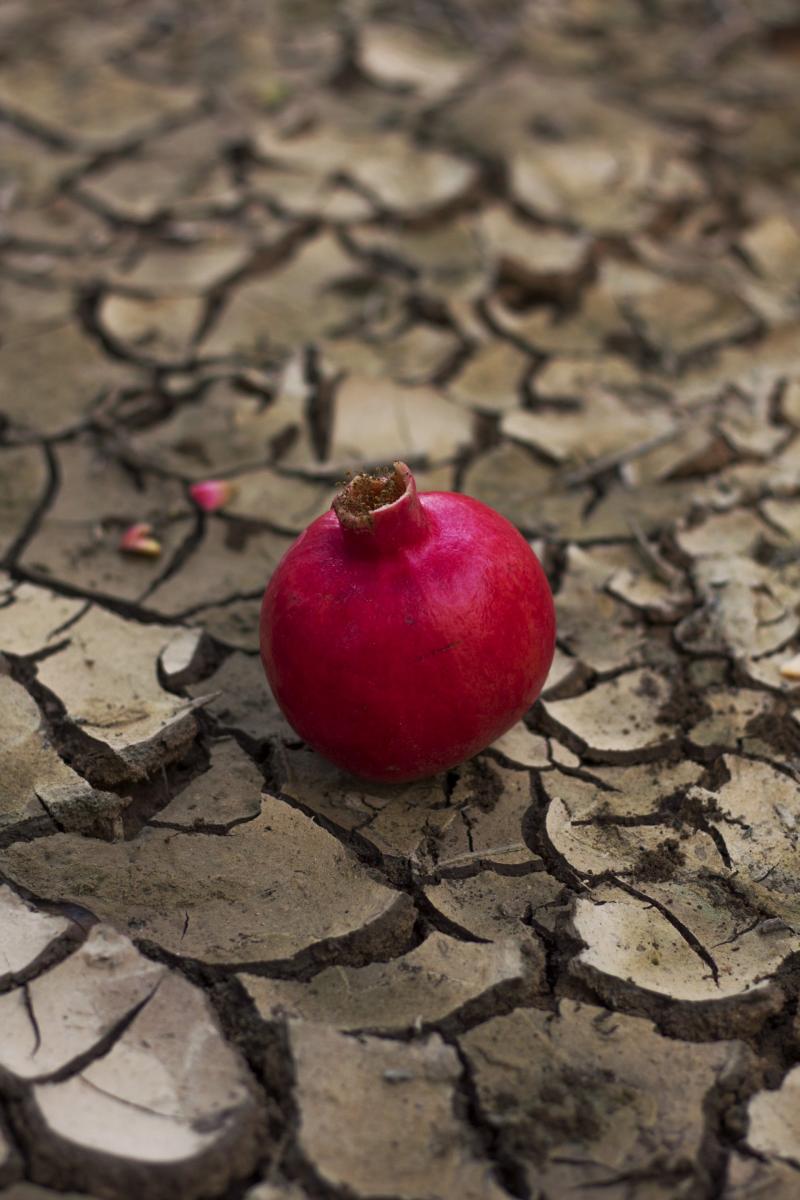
(547, 255)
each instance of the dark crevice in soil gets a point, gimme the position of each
(179, 558)
(536, 837)
(688, 936)
(380, 940)
(18, 1164)
(510, 1174)
(38, 130)
(102, 1046)
(122, 608)
(32, 524)
(320, 402)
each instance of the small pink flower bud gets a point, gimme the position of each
(211, 494)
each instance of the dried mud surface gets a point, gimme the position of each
(548, 254)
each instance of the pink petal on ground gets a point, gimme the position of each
(211, 494)
(138, 539)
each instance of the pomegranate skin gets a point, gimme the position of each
(400, 642)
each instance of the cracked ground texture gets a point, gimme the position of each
(548, 254)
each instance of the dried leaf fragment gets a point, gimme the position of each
(791, 668)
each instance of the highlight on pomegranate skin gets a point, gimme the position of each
(403, 632)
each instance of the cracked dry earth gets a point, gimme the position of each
(548, 254)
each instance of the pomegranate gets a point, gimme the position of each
(404, 632)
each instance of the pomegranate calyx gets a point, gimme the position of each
(381, 510)
(365, 493)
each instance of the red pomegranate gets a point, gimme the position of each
(404, 632)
